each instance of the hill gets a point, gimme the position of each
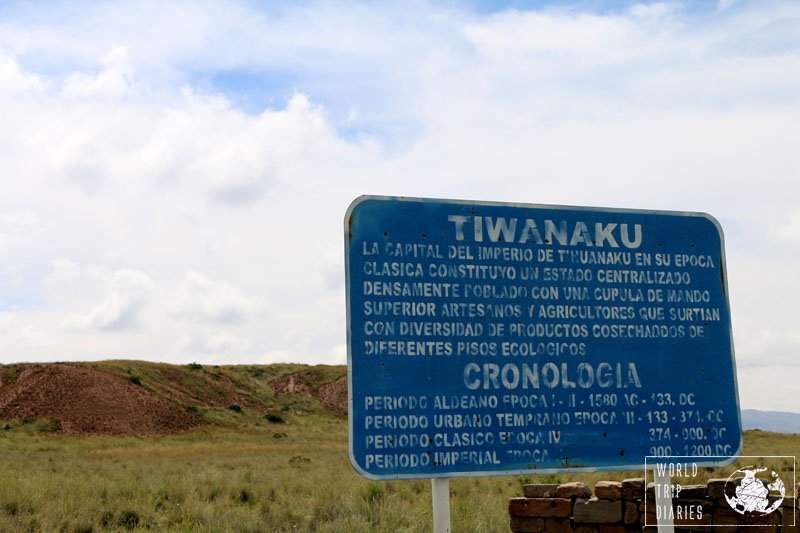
(142, 398)
(123, 397)
(777, 421)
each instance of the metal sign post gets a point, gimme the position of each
(663, 490)
(440, 490)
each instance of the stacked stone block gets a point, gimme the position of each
(621, 507)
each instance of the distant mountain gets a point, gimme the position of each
(777, 421)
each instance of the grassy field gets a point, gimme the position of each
(246, 473)
(293, 476)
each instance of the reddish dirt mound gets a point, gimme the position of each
(196, 388)
(299, 382)
(334, 395)
(86, 401)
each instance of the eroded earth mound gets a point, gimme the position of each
(332, 395)
(86, 401)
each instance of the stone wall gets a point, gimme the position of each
(619, 507)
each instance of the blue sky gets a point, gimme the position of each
(154, 155)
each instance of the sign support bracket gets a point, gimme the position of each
(663, 490)
(440, 491)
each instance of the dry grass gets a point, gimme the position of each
(259, 477)
(242, 472)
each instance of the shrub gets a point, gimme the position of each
(235, 407)
(275, 419)
(373, 493)
(213, 493)
(48, 425)
(12, 372)
(244, 496)
(195, 366)
(128, 519)
(135, 380)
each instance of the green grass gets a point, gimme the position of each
(258, 477)
(275, 462)
(210, 480)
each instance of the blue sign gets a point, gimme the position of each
(494, 339)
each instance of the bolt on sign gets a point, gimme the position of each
(494, 339)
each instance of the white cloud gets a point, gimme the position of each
(113, 80)
(340, 351)
(18, 218)
(126, 148)
(201, 299)
(545, 40)
(120, 308)
(770, 346)
(6, 319)
(63, 271)
(790, 231)
(655, 11)
(16, 227)
(768, 388)
(234, 157)
(722, 5)
(13, 79)
(217, 343)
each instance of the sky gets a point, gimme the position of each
(174, 175)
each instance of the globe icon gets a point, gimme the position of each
(753, 494)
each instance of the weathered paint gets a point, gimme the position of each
(490, 339)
